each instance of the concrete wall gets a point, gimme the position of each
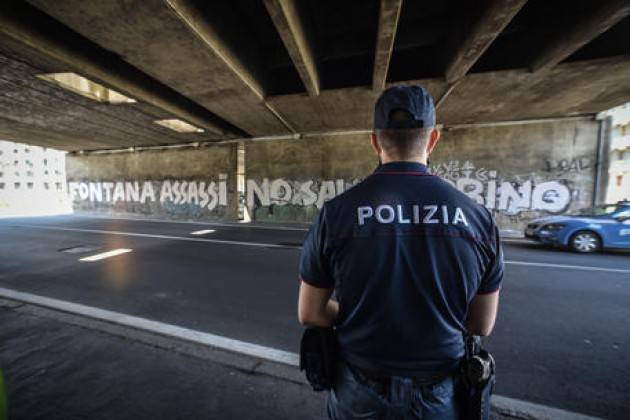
(522, 171)
(289, 180)
(179, 184)
(519, 171)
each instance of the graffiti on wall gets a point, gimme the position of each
(568, 165)
(485, 186)
(510, 196)
(204, 195)
(299, 193)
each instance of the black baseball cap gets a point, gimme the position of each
(416, 105)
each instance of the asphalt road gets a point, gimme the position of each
(562, 338)
(59, 371)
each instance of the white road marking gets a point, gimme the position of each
(569, 267)
(526, 409)
(499, 403)
(272, 245)
(107, 254)
(212, 340)
(203, 232)
(169, 237)
(201, 223)
(245, 225)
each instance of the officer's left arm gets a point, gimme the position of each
(482, 311)
(315, 308)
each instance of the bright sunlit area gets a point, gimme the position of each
(86, 87)
(32, 181)
(619, 154)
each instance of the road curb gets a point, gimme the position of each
(242, 355)
(525, 410)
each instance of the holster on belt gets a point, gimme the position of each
(477, 374)
(318, 357)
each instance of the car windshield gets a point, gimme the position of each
(595, 211)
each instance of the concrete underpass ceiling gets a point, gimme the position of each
(251, 68)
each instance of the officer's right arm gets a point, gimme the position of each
(315, 307)
(482, 311)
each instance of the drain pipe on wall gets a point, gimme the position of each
(600, 186)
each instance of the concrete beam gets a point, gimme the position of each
(589, 27)
(388, 15)
(296, 38)
(492, 21)
(31, 28)
(192, 17)
(449, 88)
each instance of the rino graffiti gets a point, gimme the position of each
(203, 194)
(482, 185)
(512, 197)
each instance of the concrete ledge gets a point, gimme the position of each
(525, 410)
(244, 356)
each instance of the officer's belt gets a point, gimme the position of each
(383, 380)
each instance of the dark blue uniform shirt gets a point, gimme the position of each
(406, 252)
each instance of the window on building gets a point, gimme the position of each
(624, 130)
(16, 162)
(619, 180)
(1, 174)
(16, 185)
(46, 185)
(58, 186)
(29, 185)
(1, 185)
(45, 162)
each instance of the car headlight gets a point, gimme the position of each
(553, 227)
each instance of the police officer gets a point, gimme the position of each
(413, 263)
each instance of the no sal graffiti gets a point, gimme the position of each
(301, 193)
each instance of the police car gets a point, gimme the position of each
(585, 230)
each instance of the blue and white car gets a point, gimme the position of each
(585, 230)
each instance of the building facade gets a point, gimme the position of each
(619, 169)
(32, 180)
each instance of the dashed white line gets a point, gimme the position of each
(272, 245)
(200, 223)
(202, 232)
(103, 255)
(169, 237)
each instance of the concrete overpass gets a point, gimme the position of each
(246, 69)
(278, 96)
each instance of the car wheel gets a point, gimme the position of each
(585, 241)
